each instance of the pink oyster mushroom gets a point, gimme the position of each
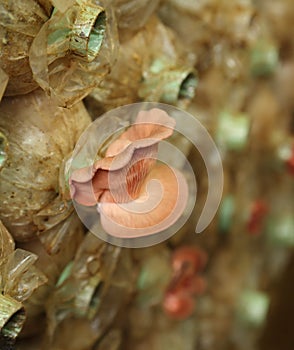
(135, 195)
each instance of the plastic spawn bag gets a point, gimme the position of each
(19, 277)
(74, 50)
(151, 66)
(35, 137)
(20, 22)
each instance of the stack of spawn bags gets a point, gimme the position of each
(230, 64)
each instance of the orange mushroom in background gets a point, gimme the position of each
(179, 298)
(134, 193)
(256, 220)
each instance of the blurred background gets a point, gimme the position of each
(230, 64)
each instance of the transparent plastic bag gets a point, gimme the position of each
(74, 50)
(37, 135)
